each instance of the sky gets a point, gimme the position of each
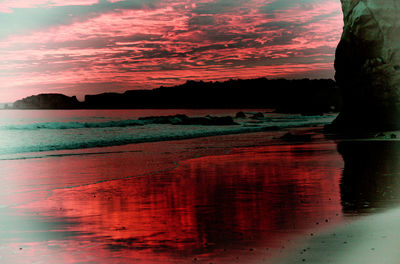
(79, 47)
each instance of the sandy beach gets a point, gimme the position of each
(234, 198)
(370, 198)
(370, 239)
(276, 195)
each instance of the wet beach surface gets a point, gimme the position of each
(370, 198)
(198, 200)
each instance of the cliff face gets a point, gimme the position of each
(293, 96)
(47, 101)
(368, 65)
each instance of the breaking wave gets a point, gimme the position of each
(73, 125)
(52, 136)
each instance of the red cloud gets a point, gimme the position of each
(171, 43)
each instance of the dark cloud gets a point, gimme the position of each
(218, 6)
(25, 20)
(279, 5)
(201, 20)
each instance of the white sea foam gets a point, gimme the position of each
(31, 136)
(72, 125)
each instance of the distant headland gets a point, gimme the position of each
(300, 96)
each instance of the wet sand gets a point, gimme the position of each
(228, 199)
(371, 239)
(370, 198)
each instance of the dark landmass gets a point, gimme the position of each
(48, 101)
(368, 68)
(291, 96)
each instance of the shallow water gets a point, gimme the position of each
(26, 131)
(194, 200)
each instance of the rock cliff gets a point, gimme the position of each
(47, 101)
(368, 65)
(290, 96)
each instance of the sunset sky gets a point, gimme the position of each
(79, 47)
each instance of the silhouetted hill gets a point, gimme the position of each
(306, 96)
(48, 101)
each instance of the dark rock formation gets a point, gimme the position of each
(258, 115)
(294, 96)
(286, 95)
(171, 119)
(47, 101)
(185, 120)
(368, 66)
(296, 137)
(240, 115)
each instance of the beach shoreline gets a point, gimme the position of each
(235, 198)
(109, 171)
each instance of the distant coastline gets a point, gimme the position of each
(291, 96)
(7, 105)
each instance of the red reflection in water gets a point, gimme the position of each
(213, 208)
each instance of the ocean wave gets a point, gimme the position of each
(151, 134)
(73, 125)
(45, 137)
(171, 119)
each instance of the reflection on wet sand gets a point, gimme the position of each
(370, 187)
(245, 204)
(371, 176)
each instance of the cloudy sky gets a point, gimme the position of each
(79, 47)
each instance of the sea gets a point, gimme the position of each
(110, 186)
(27, 132)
